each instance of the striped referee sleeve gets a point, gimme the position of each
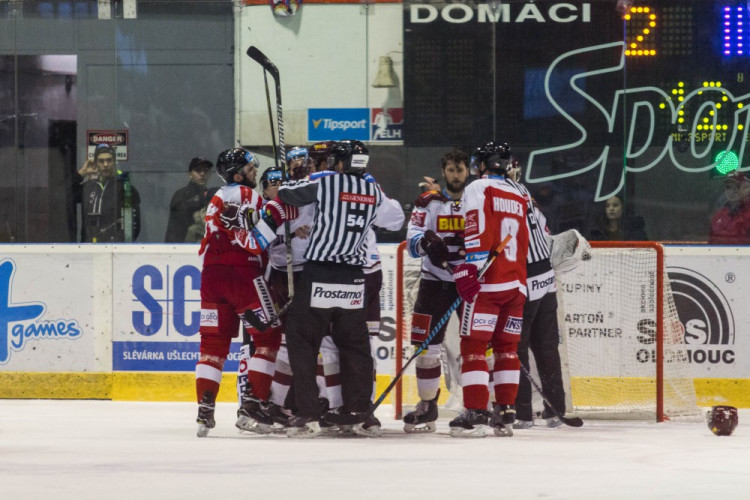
(538, 249)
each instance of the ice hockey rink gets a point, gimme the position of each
(66, 449)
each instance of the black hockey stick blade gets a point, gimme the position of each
(569, 421)
(262, 326)
(255, 54)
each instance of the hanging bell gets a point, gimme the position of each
(385, 77)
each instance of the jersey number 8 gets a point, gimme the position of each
(510, 227)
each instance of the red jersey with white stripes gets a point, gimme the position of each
(496, 209)
(232, 247)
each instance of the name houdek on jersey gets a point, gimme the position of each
(504, 13)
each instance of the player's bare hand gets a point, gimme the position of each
(302, 232)
(429, 184)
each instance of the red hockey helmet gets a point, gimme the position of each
(722, 420)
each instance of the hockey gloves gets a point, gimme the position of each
(435, 248)
(235, 217)
(467, 282)
(277, 212)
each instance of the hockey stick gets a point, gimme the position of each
(256, 55)
(270, 119)
(446, 317)
(262, 326)
(572, 421)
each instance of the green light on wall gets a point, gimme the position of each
(726, 161)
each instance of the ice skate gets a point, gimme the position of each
(470, 423)
(329, 428)
(341, 416)
(553, 422)
(205, 418)
(502, 420)
(369, 428)
(252, 417)
(302, 427)
(279, 415)
(523, 424)
(423, 418)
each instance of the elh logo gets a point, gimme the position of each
(705, 312)
(387, 124)
(16, 326)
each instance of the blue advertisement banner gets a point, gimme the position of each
(335, 124)
(164, 356)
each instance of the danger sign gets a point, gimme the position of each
(118, 139)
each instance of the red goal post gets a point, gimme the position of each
(614, 365)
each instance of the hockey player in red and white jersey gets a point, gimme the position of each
(233, 289)
(299, 163)
(435, 232)
(496, 212)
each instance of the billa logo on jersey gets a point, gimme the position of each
(387, 124)
(20, 322)
(450, 223)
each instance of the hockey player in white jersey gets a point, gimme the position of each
(435, 232)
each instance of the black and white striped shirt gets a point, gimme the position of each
(538, 249)
(346, 207)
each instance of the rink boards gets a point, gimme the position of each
(121, 322)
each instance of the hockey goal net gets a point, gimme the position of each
(622, 342)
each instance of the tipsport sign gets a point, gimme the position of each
(361, 124)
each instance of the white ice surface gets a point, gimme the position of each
(117, 450)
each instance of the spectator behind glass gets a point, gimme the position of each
(186, 223)
(730, 225)
(611, 225)
(107, 194)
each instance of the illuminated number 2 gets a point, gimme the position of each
(510, 227)
(641, 24)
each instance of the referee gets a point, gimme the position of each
(540, 328)
(331, 297)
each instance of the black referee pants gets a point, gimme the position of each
(540, 333)
(330, 298)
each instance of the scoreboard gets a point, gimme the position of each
(650, 81)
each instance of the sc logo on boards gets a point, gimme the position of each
(170, 297)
